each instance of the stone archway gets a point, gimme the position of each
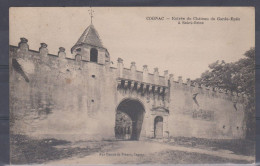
(129, 119)
(158, 127)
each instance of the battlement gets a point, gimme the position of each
(132, 74)
(43, 51)
(141, 76)
(216, 92)
(166, 79)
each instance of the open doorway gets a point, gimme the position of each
(129, 119)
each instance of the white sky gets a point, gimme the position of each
(184, 50)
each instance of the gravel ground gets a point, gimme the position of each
(237, 146)
(25, 150)
(178, 157)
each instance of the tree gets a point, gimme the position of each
(237, 77)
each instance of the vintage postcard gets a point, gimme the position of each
(132, 85)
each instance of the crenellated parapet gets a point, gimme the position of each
(60, 61)
(216, 92)
(143, 81)
(23, 47)
(144, 77)
(43, 52)
(141, 76)
(130, 74)
(43, 55)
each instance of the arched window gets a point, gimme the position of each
(93, 55)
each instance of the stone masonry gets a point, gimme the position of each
(55, 95)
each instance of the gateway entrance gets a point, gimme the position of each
(129, 119)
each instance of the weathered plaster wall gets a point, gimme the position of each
(57, 96)
(62, 96)
(215, 115)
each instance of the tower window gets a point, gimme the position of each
(93, 55)
(78, 49)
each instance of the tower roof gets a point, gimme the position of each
(90, 36)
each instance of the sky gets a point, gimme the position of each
(128, 32)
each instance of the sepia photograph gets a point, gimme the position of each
(132, 85)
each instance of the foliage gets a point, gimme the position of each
(237, 77)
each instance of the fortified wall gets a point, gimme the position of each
(57, 96)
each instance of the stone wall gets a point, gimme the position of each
(205, 112)
(52, 95)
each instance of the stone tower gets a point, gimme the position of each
(93, 59)
(89, 47)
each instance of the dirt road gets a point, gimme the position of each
(143, 152)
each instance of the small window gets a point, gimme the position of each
(92, 101)
(93, 55)
(93, 76)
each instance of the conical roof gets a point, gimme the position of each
(90, 36)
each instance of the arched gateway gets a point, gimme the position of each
(129, 119)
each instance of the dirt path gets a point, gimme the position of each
(136, 151)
